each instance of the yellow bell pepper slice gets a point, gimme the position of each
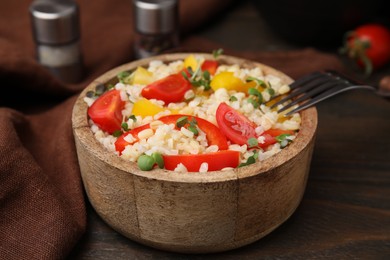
(228, 81)
(145, 107)
(142, 76)
(190, 61)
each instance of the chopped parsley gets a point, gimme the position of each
(124, 77)
(192, 125)
(217, 53)
(283, 140)
(198, 78)
(233, 98)
(252, 142)
(251, 159)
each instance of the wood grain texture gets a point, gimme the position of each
(194, 212)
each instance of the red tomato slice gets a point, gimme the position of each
(213, 134)
(169, 89)
(106, 111)
(210, 65)
(216, 161)
(121, 143)
(236, 127)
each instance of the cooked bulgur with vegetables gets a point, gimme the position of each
(192, 115)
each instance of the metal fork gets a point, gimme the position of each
(317, 86)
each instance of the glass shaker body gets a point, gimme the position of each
(156, 26)
(55, 27)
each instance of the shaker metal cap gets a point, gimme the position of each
(55, 21)
(155, 16)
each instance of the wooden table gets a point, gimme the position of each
(345, 212)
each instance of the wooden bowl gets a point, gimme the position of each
(193, 212)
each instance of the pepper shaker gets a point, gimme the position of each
(55, 25)
(156, 26)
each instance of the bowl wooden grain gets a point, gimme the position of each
(193, 212)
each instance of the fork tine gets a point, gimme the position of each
(311, 93)
(331, 83)
(305, 79)
(312, 102)
(308, 83)
(327, 94)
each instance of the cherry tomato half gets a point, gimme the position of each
(210, 65)
(216, 161)
(106, 111)
(235, 126)
(169, 89)
(213, 134)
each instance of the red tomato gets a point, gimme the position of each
(369, 45)
(235, 126)
(216, 161)
(213, 134)
(210, 65)
(106, 111)
(169, 89)
(269, 136)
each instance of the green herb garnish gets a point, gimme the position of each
(259, 82)
(263, 84)
(193, 129)
(124, 77)
(198, 78)
(117, 133)
(181, 122)
(254, 102)
(233, 98)
(251, 159)
(132, 117)
(217, 53)
(283, 140)
(256, 98)
(125, 126)
(271, 92)
(252, 142)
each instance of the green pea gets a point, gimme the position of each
(146, 162)
(158, 159)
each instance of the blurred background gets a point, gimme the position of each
(284, 24)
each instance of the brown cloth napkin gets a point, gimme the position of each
(42, 204)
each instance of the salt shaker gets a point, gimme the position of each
(55, 25)
(156, 26)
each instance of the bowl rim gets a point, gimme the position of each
(82, 131)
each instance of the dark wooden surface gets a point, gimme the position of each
(345, 212)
